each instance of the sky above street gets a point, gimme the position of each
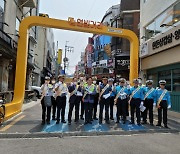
(83, 9)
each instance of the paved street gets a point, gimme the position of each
(131, 144)
(29, 121)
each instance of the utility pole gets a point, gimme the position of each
(67, 49)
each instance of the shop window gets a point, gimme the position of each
(17, 25)
(149, 30)
(176, 80)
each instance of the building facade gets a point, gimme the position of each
(45, 58)
(11, 14)
(160, 45)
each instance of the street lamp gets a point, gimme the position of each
(67, 49)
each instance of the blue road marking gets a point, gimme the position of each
(129, 127)
(96, 127)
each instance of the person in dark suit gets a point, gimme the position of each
(73, 100)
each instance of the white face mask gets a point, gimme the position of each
(81, 78)
(53, 82)
(94, 82)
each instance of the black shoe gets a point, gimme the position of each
(159, 125)
(165, 126)
(124, 122)
(69, 123)
(86, 123)
(95, 118)
(100, 122)
(48, 122)
(107, 122)
(139, 124)
(63, 121)
(144, 122)
(90, 122)
(131, 123)
(117, 121)
(43, 123)
(112, 118)
(151, 124)
(53, 119)
(82, 118)
(57, 122)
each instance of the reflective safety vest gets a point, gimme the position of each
(91, 87)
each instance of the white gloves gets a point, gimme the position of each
(169, 106)
(142, 103)
(154, 104)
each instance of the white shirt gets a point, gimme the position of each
(62, 88)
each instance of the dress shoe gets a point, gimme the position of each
(112, 118)
(95, 118)
(57, 122)
(43, 123)
(165, 126)
(48, 122)
(63, 121)
(117, 121)
(86, 123)
(159, 125)
(100, 122)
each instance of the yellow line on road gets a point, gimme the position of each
(12, 123)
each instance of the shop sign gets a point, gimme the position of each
(85, 23)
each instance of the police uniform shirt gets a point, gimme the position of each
(166, 96)
(62, 88)
(152, 95)
(124, 93)
(139, 94)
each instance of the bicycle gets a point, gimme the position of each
(2, 111)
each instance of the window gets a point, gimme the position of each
(149, 30)
(176, 80)
(17, 25)
(163, 22)
(2, 5)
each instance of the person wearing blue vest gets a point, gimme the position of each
(105, 92)
(121, 100)
(112, 96)
(149, 101)
(88, 99)
(163, 103)
(136, 99)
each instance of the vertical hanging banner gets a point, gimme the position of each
(59, 56)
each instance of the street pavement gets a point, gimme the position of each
(117, 144)
(25, 134)
(29, 121)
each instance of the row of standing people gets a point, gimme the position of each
(89, 94)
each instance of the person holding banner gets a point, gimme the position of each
(136, 101)
(105, 92)
(121, 100)
(163, 103)
(149, 101)
(88, 99)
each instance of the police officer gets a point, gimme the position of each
(149, 101)
(73, 101)
(121, 100)
(96, 96)
(88, 99)
(46, 91)
(61, 92)
(112, 96)
(136, 99)
(163, 103)
(105, 92)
